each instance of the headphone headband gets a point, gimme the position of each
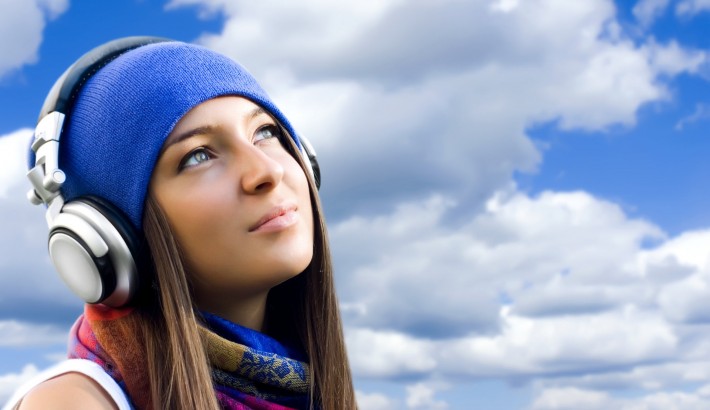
(64, 90)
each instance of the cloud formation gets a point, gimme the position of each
(701, 113)
(559, 252)
(582, 290)
(573, 398)
(647, 11)
(588, 302)
(21, 27)
(692, 7)
(18, 334)
(399, 89)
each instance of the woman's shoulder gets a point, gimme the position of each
(68, 391)
(74, 383)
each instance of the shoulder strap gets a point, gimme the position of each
(85, 367)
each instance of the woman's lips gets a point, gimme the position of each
(277, 219)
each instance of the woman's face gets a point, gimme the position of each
(236, 200)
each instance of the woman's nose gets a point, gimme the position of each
(260, 172)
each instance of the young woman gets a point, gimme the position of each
(193, 205)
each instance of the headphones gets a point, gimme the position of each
(92, 244)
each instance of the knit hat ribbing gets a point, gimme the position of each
(124, 113)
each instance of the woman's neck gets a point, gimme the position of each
(248, 312)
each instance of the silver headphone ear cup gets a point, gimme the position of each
(104, 221)
(96, 251)
(80, 256)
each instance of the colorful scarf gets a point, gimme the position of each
(250, 371)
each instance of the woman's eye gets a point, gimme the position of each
(267, 132)
(195, 157)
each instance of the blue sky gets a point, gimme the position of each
(516, 190)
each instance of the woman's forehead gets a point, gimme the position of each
(213, 114)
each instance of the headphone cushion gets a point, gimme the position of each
(82, 259)
(88, 221)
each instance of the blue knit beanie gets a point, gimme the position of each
(124, 113)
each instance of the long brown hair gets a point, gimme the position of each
(178, 367)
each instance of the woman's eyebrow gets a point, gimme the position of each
(206, 129)
(256, 112)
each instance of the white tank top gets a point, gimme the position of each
(85, 367)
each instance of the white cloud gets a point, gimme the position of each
(558, 252)
(587, 302)
(574, 398)
(53, 8)
(388, 353)
(701, 113)
(504, 6)
(375, 401)
(574, 48)
(13, 160)
(667, 401)
(19, 334)
(684, 300)
(21, 26)
(401, 259)
(672, 59)
(692, 7)
(562, 344)
(10, 382)
(688, 369)
(689, 249)
(647, 11)
(421, 396)
(526, 348)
